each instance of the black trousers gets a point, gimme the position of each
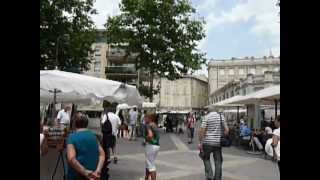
(217, 157)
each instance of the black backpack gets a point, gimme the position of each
(106, 127)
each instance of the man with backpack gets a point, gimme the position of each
(110, 125)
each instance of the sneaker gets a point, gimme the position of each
(115, 160)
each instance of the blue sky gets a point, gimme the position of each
(234, 28)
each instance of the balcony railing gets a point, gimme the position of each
(121, 70)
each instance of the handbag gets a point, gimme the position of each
(225, 140)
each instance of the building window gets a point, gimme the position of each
(221, 72)
(264, 70)
(96, 69)
(276, 69)
(241, 71)
(253, 71)
(231, 72)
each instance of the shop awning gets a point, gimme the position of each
(264, 96)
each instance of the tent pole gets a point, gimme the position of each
(54, 105)
(238, 114)
(276, 108)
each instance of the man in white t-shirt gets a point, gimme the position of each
(63, 117)
(115, 123)
(133, 121)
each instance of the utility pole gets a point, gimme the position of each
(55, 91)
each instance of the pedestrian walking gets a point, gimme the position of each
(133, 121)
(191, 122)
(276, 142)
(143, 127)
(152, 146)
(212, 128)
(84, 153)
(122, 131)
(111, 139)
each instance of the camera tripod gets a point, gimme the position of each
(60, 157)
(57, 164)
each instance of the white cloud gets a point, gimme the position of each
(263, 12)
(207, 5)
(105, 8)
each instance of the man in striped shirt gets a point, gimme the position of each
(210, 134)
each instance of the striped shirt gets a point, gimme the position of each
(213, 133)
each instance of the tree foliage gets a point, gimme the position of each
(71, 17)
(163, 33)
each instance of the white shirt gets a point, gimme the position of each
(133, 117)
(268, 130)
(64, 117)
(41, 141)
(142, 119)
(276, 132)
(114, 120)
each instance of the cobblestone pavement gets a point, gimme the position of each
(176, 161)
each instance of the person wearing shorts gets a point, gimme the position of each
(112, 138)
(152, 147)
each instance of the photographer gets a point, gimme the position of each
(84, 153)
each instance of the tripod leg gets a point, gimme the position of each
(55, 169)
(64, 170)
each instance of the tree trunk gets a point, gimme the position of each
(151, 86)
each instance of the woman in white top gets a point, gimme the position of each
(43, 142)
(276, 141)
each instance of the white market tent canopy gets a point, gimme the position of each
(78, 88)
(123, 106)
(264, 96)
(228, 102)
(235, 111)
(149, 105)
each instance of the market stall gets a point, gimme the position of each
(65, 87)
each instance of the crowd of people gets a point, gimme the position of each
(88, 154)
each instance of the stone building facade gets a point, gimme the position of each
(248, 85)
(221, 72)
(244, 86)
(99, 60)
(185, 94)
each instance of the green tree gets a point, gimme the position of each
(163, 33)
(59, 18)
